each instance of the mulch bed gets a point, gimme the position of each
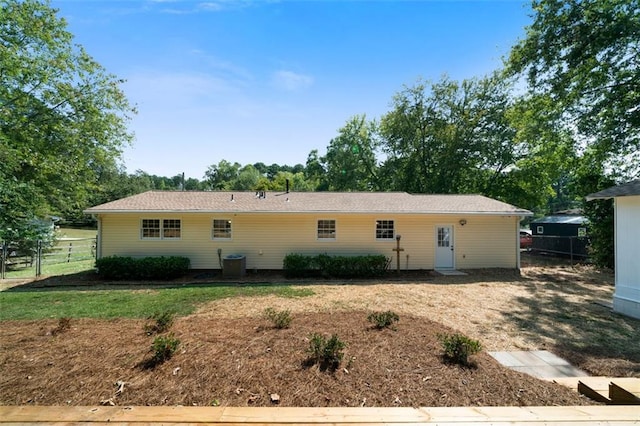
(242, 362)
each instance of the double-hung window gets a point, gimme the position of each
(384, 230)
(160, 229)
(150, 228)
(221, 229)
(326, 229)
(171, 228)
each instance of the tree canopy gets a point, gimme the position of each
(585, 54)
(584, 57)
(62, 116)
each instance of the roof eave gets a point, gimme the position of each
(165, 211)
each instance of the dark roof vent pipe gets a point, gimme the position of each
(287, 186)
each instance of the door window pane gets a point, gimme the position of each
(444, 238)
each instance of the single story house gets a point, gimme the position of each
(561, 233)
(435, 231)
(626, 298)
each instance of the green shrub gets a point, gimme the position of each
(326, 352)
(324, 265)
(161, 322)
(458, 347)
(383, 319)
(155, 268)
(163, 348)
(280, 319)
(298, 266)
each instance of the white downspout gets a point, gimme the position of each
(99, 238)
(518, 219)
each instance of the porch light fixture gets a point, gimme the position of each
(463, 222)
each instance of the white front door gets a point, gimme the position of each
(444, 247)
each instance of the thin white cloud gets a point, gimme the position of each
(185, 8)
(222, 66)
(290, 81)
(210, 6)
(177, 89)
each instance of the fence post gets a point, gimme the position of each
(3, 259)
(571, 249)
(39, 259)
(69, 254)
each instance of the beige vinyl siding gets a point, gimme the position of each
(487, 242)
(265, 239)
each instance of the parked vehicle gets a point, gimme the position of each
(526, 239)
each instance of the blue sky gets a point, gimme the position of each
(269, 81)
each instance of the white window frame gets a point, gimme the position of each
(167, 230)
(213, 229)
(142, 228)
(383, 229)
(318, 229)
(540, 229)
(162, 222)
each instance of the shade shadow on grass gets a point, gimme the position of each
(585, 333)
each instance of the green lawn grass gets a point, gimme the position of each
(76, 233)
(51, 269)
(54, 260)
(125, 303)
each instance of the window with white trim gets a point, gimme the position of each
(171, 228)
(221, 229)
(540, 229)
(150, 228)
(384, 230)
(326, 229)
(160, 229)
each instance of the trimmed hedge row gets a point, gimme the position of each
(324, 265)
(146, 268)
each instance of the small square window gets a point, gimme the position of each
(326, 229)
(384, 230)
(221, 229)
(540, 229)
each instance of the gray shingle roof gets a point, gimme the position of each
(305, 202)
(624, 190)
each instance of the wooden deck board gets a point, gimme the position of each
(630, 384)
(284, 416)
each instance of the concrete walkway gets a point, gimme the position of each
(540, 364)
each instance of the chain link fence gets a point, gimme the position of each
(575, 248)
(22, 259)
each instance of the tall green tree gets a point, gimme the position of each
(315, 172)
(351, 160)
(248, 177)
(545, 158)
(585, 54)
(62, 116)
(220, 176)
(449, 137)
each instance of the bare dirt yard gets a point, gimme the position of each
(230, 355)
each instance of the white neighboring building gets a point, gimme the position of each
(626, 299)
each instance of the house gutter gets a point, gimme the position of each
(521, 213)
